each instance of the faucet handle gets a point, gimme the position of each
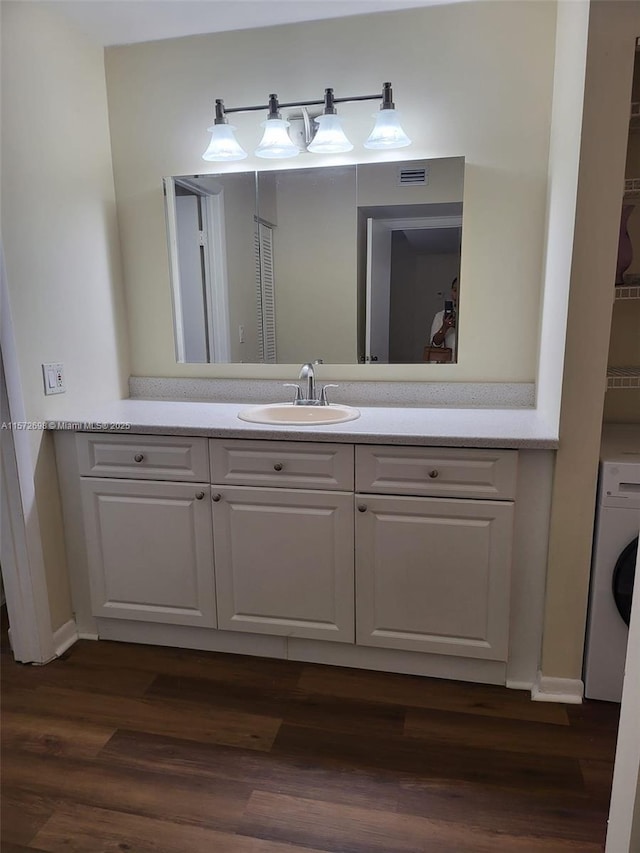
(323, 393)
(298, 391)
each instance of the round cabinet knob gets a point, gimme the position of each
(217, 497)
(278, 466)
(139, 457)
(433, 474)
(362, 507)
(199, 496)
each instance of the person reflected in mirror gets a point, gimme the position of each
(443, 327)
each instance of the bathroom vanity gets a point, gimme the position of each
(336, 545)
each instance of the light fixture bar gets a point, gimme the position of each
(378, 97)
(329, 139)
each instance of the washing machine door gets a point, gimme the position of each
(623, 577)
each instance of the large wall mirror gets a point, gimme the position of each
(354, 263)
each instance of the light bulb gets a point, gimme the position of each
(387, 132)
(223, 145)
(275, 143)
(330, 137)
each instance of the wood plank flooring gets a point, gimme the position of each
(119, 747)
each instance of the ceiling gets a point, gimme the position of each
(112, 22)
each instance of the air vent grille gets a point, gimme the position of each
(413, 177)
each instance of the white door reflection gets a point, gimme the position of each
(411, 263)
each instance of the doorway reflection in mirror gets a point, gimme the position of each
(408, 261)
(353, 261)
(444, 328)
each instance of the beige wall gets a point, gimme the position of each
(613, 27)
(60, 239)
(378, 185)
(471, 79)
(622, 407)
(315, 290)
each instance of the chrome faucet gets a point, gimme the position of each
(307, 372)
(309, 397)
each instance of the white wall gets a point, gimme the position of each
(613, 27)
(471, 79)
(60, 239)
(564, 157)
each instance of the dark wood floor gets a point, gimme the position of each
(134, 748)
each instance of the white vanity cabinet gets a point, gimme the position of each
(433, 556)
(146, 508)
(400, 556)
(283, 538)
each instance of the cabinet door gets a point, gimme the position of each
(433, 575)
(284, 562)
(150, 551)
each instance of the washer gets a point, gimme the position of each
(614, 559)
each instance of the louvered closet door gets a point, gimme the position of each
(265, 292)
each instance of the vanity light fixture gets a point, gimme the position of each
(275, 143)
(387, 131)
(223, 144)
(329, 138)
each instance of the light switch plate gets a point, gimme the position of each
(53, 378)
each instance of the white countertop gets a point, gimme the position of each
(471, 427)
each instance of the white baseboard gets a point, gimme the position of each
(310, 651)
(513, 684)
(65, 637)
(548, 689)
(83, 635)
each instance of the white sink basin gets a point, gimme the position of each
(290, 415)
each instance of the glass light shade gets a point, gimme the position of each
(275, 143)
(330, 137)
(387, 132)
(223, 146)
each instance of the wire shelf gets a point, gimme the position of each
(631, 188)
(628, 291)
(623, 378)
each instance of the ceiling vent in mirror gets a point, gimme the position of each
(413, 177)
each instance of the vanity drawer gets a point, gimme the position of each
(143, 457)
(437, 472)
(291, 464)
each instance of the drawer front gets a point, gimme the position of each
(143, 457)
(437, 472)
(291, 464)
